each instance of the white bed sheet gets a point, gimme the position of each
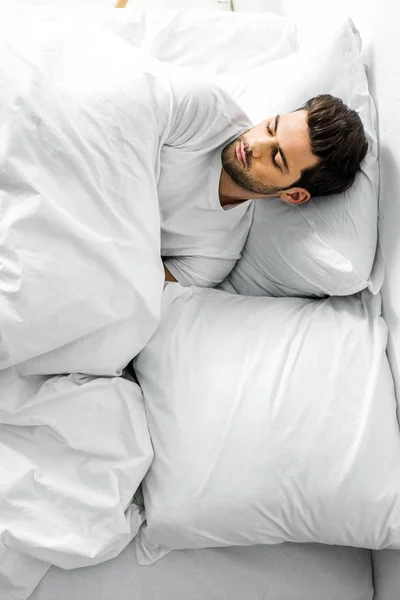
(253, 573)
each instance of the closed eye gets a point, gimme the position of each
(268, 129)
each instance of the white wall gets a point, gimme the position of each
(385, 87)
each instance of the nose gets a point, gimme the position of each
(260, 145)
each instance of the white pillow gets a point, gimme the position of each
(326, 246)
(218, 41)
(128, 24)
(272, 420)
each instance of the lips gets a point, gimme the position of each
(241, 156)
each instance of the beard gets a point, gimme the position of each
(240, 174)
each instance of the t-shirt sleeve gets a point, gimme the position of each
(201, 271)
(197, 107)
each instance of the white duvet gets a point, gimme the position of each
(82, 115)
(73, 451)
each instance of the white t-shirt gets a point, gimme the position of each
(200, 240)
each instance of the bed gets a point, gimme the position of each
(284, 571)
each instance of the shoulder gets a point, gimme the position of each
(194, 88)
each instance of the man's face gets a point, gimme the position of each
(270, 157)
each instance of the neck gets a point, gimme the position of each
(231, 193)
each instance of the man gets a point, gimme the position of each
(215, 164)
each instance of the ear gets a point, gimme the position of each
(295, 195)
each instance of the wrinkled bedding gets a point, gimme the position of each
(79, 219)
(73, 450)
(83, 115)
(82, 119)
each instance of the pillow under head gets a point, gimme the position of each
(327, 245)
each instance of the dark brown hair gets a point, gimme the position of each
(338, 139)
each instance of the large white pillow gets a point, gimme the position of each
(129, 23)
(218, 41)
(326, 246)
(272, 420)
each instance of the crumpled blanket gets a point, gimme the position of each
(82, 119)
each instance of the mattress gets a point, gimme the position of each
(284, 572)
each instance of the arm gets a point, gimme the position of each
(201, 112)
(200, 271)
(168, 275)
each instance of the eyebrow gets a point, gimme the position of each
(279, 148)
